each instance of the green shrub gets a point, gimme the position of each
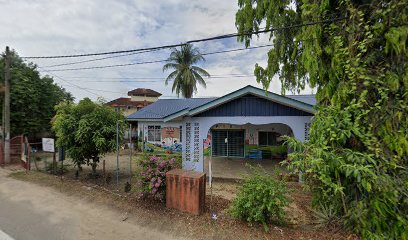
(152, 175)
(260, 199)
(275, 151)
(326, 215)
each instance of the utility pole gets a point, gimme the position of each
(130, 148)
(117, 153)
(7, 106)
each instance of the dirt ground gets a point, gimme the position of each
(31, 211)
(154, 214)
(238, 168)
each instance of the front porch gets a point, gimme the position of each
(236, 168)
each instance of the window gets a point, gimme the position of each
(181, 133)
(268, 138)
(154, 133)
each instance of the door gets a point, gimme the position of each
(228, 143)
(218, 142)
(235, 143)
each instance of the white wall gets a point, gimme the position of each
(204, 124)
(142, 98)
(296, 123)
(142, 126)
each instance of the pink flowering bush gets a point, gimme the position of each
(152, 176)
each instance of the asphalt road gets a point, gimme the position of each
(29, 211)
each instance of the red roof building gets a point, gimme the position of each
(138, 98)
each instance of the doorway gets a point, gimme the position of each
(228, 143)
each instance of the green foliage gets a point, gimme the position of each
(152, 175)
(87, 130)
(32, 98)
(357, 154)
(260, 199)
(185, 74)
(276, 151)
(326, 215)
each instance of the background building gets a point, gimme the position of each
(138, 99)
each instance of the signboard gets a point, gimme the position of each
(48, 144)
(170, 132)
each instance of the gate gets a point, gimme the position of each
(228, 143)
(19, 151)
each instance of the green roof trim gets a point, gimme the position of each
(176, 115)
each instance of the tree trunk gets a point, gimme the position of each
(94, 165)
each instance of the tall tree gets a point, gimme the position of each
(355, 54)
(185, 75)
(33, 97)
(87, 130)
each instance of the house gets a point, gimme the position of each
(235, 125)
(138, 99)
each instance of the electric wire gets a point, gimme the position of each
(231, 35)
(153, 61)
(97, 59)
(72, 84)
(156, 80)
(212, 75)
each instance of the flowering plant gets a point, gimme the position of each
(152, 177)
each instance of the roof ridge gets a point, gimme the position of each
(186, 98)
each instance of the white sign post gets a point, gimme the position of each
(48, 145)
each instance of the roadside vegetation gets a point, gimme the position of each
(32, 98)
(216, 222)
(152, 175)
(261, 199)
(356, 159)
(87, 131)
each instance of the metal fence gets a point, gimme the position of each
(114, 169)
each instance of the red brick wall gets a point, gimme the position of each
(185, 191)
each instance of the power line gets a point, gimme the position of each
(107, 66)
(97, 59)
(99, 90)
(155, 80)
(212, 75)
(108, 91)
(72, 84)
(155, 61)
(130, 54)
(231, 35)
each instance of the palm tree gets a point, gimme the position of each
(185, 74)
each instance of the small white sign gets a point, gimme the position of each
(48, 144)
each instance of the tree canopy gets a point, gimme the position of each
(32, 98)
(87, 130)
(355, 54)
(185, 75)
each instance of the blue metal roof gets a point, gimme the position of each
(166, 107)
(309, 99)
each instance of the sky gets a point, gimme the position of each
(64, 27)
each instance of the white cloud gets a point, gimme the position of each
(61, 27)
